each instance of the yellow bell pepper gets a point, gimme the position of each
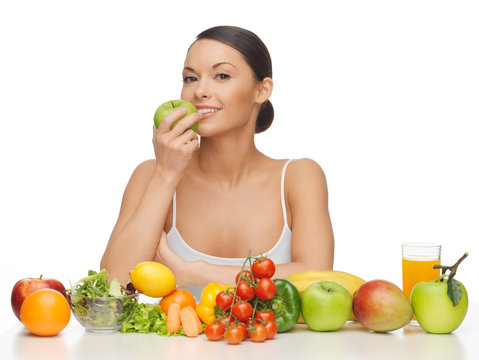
(206, 308)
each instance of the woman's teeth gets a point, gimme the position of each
(205, 111)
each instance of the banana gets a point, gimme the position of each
(303, 279)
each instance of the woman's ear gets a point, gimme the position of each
(265, 89)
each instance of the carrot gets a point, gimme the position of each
(173, 318)
(199, 323)
(189, 321)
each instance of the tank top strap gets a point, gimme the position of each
(283, 202)
(174, 211)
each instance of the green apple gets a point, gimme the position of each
(326, 306)
(433, 308)
(167, 107)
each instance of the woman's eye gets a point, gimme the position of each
(222, 76)
(188, 79)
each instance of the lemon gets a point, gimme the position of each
(153, 279)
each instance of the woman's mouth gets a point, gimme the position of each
(207, 112)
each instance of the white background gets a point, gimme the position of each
(383, 95)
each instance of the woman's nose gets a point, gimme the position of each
(202, 90)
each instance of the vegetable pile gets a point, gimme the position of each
(257, 307)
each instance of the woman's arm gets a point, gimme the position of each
(307, 194)
(136, 234)
(312, 244)
(148, 196)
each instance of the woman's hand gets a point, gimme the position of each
(174, 148)
(170, 259)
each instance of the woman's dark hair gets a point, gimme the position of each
(255, 53)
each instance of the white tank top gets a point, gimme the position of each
(280, 253)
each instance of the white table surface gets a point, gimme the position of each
(350, 342)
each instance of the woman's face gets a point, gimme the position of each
(222, 86)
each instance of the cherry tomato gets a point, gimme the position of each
(242, 311)
(244, 291)
(224, 321)
(245, 275)
(265, 316)
(263, 268)
(243, 327)
(266, 289)
(271, 329)
(234, 335)
(215, 331)
(224, 300)
(259, 333)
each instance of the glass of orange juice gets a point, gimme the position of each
(418, 259)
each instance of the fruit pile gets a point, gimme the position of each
(41, 305)
(256, 307)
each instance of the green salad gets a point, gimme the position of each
(148, 318)
(98, 303)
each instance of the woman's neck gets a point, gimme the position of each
(226, 160)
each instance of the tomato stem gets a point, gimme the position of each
(236, 287)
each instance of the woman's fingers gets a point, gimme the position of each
(181, 126)
(186, 137)
(185, 124)
(167, 122)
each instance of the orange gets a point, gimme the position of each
(45, 312)
(181, 297)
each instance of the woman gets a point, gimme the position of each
(200, 209)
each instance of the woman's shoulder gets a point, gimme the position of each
(143, 171)
(146, 166)
(304, 167)
(305, 176)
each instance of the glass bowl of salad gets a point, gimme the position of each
(100, 305)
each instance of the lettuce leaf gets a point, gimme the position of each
(148, 318)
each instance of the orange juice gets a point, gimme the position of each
(414, 271)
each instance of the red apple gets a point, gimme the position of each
(27, 286)
(381, 306)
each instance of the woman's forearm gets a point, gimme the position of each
(137, 240)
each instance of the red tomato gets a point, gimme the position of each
(244, 291)
(224, 300)
(215, 331)
(265, 316)
(224, 321)
(259, 333)
(234, 335)
(263, 268)
(242, 311)
(266, 289)
(243, 327)
(245, 275)
(271, 329)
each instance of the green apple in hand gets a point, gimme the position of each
(326, 306)
(167, 107)
(440, 306)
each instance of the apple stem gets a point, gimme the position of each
(453, 268)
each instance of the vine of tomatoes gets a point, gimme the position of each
(241, 311)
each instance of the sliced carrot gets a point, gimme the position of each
(189, 321)
(199, 323)
(173, 318)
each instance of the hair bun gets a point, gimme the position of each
(265, 117)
